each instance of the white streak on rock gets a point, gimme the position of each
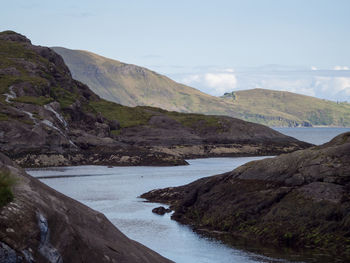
(30, 116)
(58, 116)
(11, 95)
(45, 247)
(51, 125)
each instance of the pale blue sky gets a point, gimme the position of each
(180, 37)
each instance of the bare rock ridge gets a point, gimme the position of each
(42, 225)
(299, 200)
(49, 119)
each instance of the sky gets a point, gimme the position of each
(216, 46)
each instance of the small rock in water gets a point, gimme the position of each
(161, 210)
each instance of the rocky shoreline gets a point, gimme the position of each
(42, 225)
(148, 156)
(49, 119)
(124, 158)
(298, 200)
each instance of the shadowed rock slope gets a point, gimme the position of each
(49, 119)
(42, 225)
(301, 200)
(132, 85)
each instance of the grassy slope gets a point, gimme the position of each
(11, 56)
(14, 55)
(279, 105)
(132, 85)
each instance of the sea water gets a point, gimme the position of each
(114, 192)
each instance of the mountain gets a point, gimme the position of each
(298, 200)
(282, 108)
(41, 225)
(49, 119)
(132, 86)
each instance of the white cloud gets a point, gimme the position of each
(212, 83)
(191, 79)
(333, 88)
(325, 84)
(220, 80)
(341, 68)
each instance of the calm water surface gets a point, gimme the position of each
(313, 135)
(115, 191)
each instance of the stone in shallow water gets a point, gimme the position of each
(161, 210)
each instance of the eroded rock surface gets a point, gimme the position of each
(301, 200)
(42, 225)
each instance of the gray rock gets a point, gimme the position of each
(8, 255)
(161, 210)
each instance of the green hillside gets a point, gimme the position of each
(131, 85)
(282, 108)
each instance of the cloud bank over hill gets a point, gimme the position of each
(332, 84)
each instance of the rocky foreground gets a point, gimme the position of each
(49, 119)
(298, 200)
(42, 225)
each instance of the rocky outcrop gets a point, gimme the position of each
(47, 118)
(42, 225)
(130, 156)
(161, 210)
(299, 200)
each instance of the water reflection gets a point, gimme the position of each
(114, 191)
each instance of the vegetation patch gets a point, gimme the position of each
(6, 182)
(127, 116)
(116, 132)
(3, 117)
(33, 100)
(193, 120)
(8, 80)
(64, 97)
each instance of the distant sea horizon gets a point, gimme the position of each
(315, 135)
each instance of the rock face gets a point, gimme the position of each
(42, 225)
(49, 119)
(301, 200)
